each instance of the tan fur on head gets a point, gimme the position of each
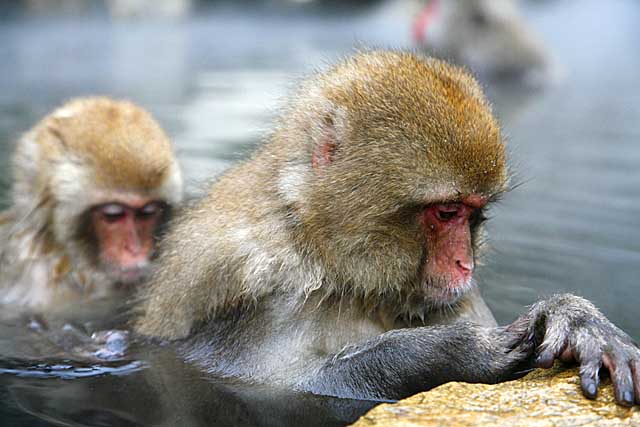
(121, 143)
(398, 130)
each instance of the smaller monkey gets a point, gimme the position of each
(94, 183)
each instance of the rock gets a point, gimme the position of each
(542, 398)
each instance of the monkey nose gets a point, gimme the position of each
(465, 267)
(133, 244)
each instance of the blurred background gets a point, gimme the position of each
(563, 77)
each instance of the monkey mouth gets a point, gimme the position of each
(445, 292)
(129, 276)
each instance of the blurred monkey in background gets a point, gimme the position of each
(94, 183)
(489, 36)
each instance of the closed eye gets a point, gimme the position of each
(150, 209)
(112, 212)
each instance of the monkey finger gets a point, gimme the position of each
(554, 343)
(549, 353)
(635, 373)
(621, 378)
(589, 379)
(545, 359)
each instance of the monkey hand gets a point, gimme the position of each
(513, 350)
(571, 328)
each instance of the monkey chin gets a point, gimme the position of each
(125, 277)
(445, 292)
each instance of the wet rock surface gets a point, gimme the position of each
(542, 398)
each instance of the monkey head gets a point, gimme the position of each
(395, 165)
(99, 178)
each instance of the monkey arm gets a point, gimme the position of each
(402, 362)
(405, 361)
(572, 328)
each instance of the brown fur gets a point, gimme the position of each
(124, 145)
(87, 152)
(407, 130)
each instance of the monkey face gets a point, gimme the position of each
(401, 166)
(125, 236)
(447, 268)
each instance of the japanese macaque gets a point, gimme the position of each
(339, 259)
(489, 36)
(94, 183)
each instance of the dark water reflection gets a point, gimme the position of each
(574, 224)
(166, 393)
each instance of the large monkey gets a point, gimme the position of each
(339, 259)
(94, 182)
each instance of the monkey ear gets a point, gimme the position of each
(54, 128)
(327, 137)
(325, 144)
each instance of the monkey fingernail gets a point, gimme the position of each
(627, 398)
(591, 390)
(545, 360)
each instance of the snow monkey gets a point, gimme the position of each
(489, 36)
(95, 182)
(339, 258)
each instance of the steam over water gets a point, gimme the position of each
(214, 82)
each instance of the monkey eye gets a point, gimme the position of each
(445, 216)
(447, 212)
(150, 209)
(112, 212)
